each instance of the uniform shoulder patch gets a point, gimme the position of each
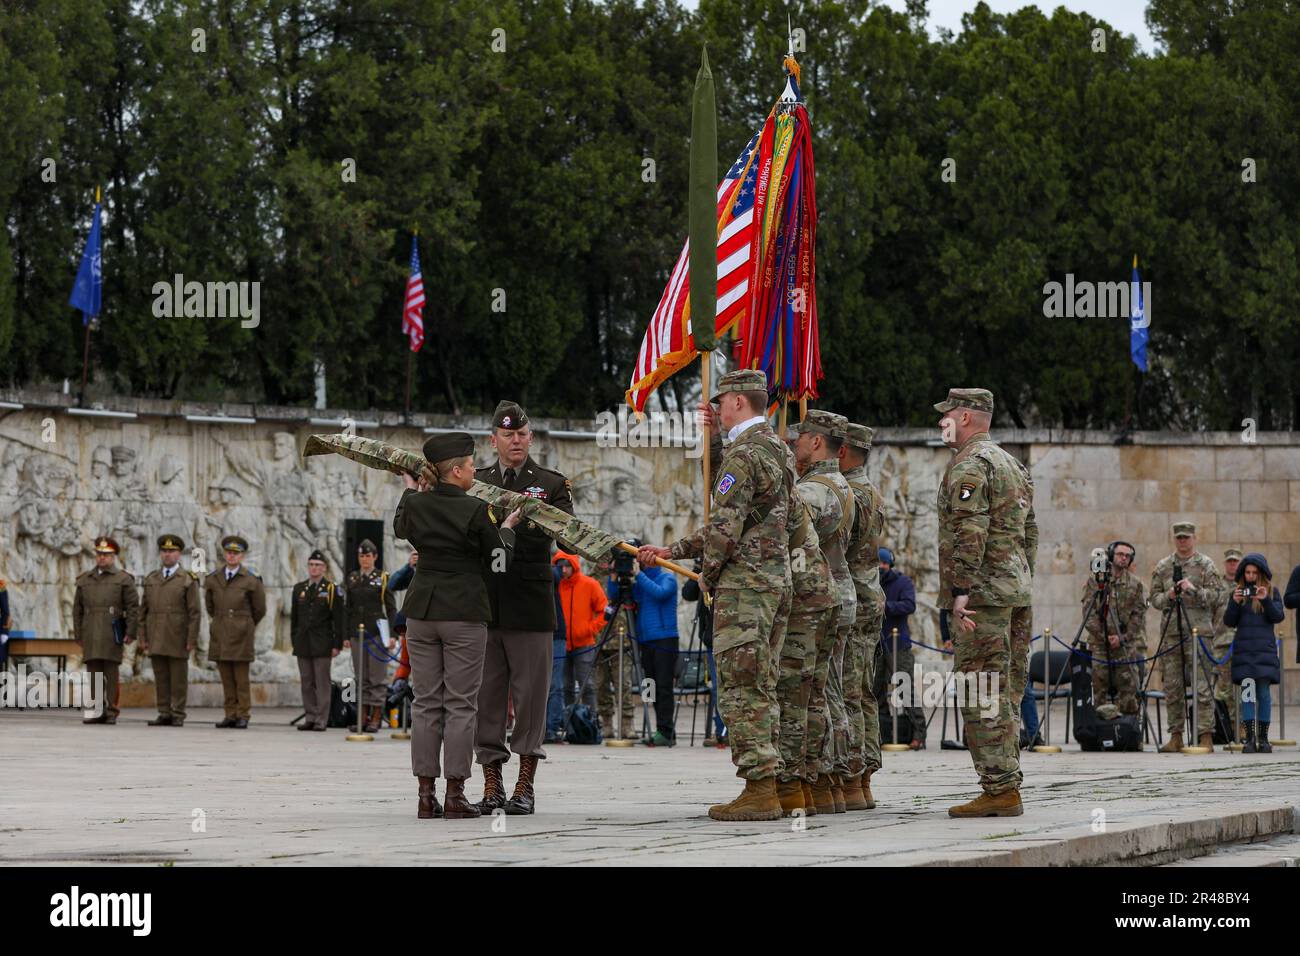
(725, 483)
(967, 489)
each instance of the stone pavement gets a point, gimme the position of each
(271, 795)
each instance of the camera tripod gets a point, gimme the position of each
(623, 608)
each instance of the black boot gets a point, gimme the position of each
(1248, 747)
(494, 789)
(1264, 746)
(521, 802)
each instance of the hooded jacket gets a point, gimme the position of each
(655, 594)
(1254, 651)
(583, 603)
(900, 604)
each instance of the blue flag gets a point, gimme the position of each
(1138, 321)
(88, 290)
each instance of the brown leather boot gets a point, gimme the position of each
(758, 801)
(990, 805)
(521, 801)
(372, 720)
(457, 807)
(1206, 740)
(809, 808)
(866, 790)
(853, 796)
(837, 793)
(494, 789)
(428, 806)
(790, 793)
(1174, 744)
(823, 798)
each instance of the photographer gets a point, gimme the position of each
(655, 592)
(1116, 606)
(1254, 610)
(583, 607)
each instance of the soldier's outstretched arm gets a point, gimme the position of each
(969, 493)
(715, 541)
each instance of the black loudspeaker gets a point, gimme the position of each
(356, 530)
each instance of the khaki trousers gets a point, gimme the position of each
(234, 684)
(315, 675)
(109, 670)
(171, 681)
(446, 674)
(516, 666)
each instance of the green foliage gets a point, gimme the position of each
(523, 171)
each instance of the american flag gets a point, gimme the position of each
(668, 345)
(413, 310)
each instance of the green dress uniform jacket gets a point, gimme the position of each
(104, 596)
(169, 613)
(317, 619)
(234, 609)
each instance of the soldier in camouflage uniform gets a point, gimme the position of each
(1123, 638)
(830, 501)
(746, 567)
(859, 677)
(1200, 591)
(1223, 638)
(987, 544)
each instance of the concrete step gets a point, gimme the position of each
(1280, 850)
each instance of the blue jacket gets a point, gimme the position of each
(1254, 650)
(900, 604)
(560, 632)
(655, 594)
(400, 579)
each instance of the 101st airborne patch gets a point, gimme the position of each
(967, 490)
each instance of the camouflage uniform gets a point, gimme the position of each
(1198, 612)
(746, 566)
(864, 566)
(1127, 607)
(830, 502)
(1223, 638)
(607, 690)
(987, 543)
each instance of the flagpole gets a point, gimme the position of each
(409, 356)
(85, 321)
(706, 361)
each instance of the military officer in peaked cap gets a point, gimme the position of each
(316, 625)
(236, 602)
(368, 602)
(105, 616)
(169, 629)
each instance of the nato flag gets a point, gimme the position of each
(88, 290)
(1138, 321)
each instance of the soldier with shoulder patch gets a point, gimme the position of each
(105, 617)
(236, 603)
(517, 660)
(169, 630)
(316, 625)
(369, 601)
(746, 568)
(988, 540)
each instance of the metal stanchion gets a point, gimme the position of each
(1196, 697)
(619, 741)
(1281, 701)
(403, 731)
(360, 735)
(894, 747)
(1047, 747)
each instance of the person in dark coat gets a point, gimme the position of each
(1291, 599)
(1255, 609)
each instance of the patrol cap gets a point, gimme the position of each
(976, 399)
(170, 542)
(106, 545)
(367, 547)
(233, 542)
(1184, 529)
(451, 445)
(1232, 554)
(858, 436)
(821, 422)
(508, 415)
(741, 380)
(317, 556)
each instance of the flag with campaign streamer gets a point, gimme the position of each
(767, 221)
(88, 289)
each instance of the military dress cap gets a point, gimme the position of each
(822, 422)
(1183, 528)
(451, 445)
(741, 380)
(509, 415)
(123, 453)
(858, 436)
(316, 556)
(976, 399)
(170, 542)
(233, 542)
(106, 545)
(367, 547)
(1232, 554)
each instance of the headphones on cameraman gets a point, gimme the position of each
(1110, 551)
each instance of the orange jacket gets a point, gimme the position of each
(583, 601)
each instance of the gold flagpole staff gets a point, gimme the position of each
(360, 736)
(894, 747)
(1047, 747)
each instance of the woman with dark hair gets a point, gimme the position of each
(1255, 608)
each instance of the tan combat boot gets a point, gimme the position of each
(809, 808)
(854, 799)
(790, 793)
(823, 798)
(1206, 740)
(837, 793)
(990, 805)
(1174, 744)
(758, 801)
(866, 790)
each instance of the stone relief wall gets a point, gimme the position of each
(137, 479)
